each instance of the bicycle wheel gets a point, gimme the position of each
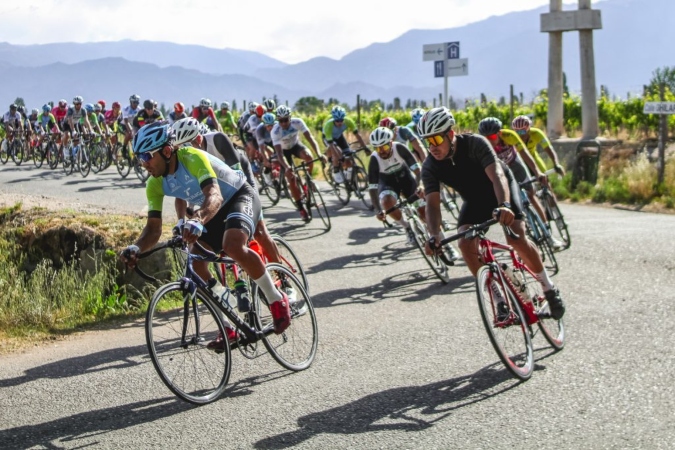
(556, 220)
(295, 348)
(177, 331)
(531, 290)
(52, 155)
(141, 173)
(421, 237)
(98, 157)
(38, 156)
(68, 161)
(291, 260)
(510, 336)
(539, 234)
(360, 179)
(83, 160)
(272, 192)
(122, 160)
(4, 151)
(315, 200)
(339, 189)
(17, 151)
(449, 200)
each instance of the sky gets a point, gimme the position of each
(290, 31)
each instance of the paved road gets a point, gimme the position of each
(403, 362)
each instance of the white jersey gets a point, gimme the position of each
(10, 119)
(251, 124)
(129, 113)
(290, 137)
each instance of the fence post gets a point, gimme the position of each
(358, 110)
(511, 102)
(663, 137)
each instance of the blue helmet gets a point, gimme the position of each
(268, 118)
(417, 114)
(89, 107)
(338, 113)
(46, 108)
(152, 136)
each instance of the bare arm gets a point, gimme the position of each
(181, 208)
(501, 187)
(312, 142)
(213, 200)
(433, 213)
(150, 234)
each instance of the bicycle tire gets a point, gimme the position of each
(52, 155)
(38, 156)
(17, 151)
(439, 268)
(361, 178)
(122, 160)
(83, 160)
(188, 368)
(97, 157)
(4, 151)
(556, 220)
(537, 232)
(315, 200)
(532, 291)
(290, 259)
(449, 200)
(273, 193)
(296, 347)
(511, 337)
(68, 161)
(141, 173)
(340, 191)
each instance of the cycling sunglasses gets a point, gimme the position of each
(434, 141)
(147, 156)
(383, 148)
(492, 137)
(283, 120)
(522, 132)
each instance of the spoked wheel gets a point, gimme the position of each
(291, 260)
(295, 348)
(38, 155)
(449, 200)
(339, 189)
(98, 157)
(315, 200)
(122, 160)
(52, 153)
(83, 160)
(17, 152)
(68, 161)
(177, 331)
(421, 238)
(556, 221)
(547, 255)
(272, 192)
(508, 329)
(141, 173)
(531, 290)
(361, 181)
(5, 151)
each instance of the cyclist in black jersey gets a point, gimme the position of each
(468, 164)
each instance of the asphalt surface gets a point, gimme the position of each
(403, 360)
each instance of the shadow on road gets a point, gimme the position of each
(412, 408)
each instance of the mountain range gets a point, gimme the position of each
(502, 50)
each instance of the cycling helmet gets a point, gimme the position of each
(521, 123)
(252, 106)
(12, 106)
(179, 107)
(63, 103)
(417, 114)
(260, 110)
(98, 107)
(225, 105)
(435, 121)
(152, 136)
(186, 130)
(268, 118)
(205, 103)
(78, 99)
(34, 112)
(203, 128)
(283, 111)
(116, 105)
(388, 122)
(21, 109)
(489, 125)
(148, 104)
(46, 108)
(89, 107)
(102, 103)
(381, 136)
(270, 104)
(338, 113)
(135, 98)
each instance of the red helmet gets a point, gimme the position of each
(102, 103)
(116, 105)
(260, 110)
(388, 122)
(179, 107)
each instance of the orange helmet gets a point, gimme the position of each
(179, 107)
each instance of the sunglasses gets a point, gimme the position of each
(492, 137)
(338, 121)
(522, 132)
(147, 156)
(383, 148)
(434, 141)
(283, 120)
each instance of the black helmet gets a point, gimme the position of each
(12, 106)
(489, 125)
(149, 104)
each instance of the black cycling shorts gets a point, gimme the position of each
(297, 150)
(521, 173)
(400, 183)
(473, 213)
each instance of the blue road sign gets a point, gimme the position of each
(453, 50)
(439, 69)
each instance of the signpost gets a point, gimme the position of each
(662, 108)
(447, 62)
(659, 108)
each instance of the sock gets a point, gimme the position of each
(266, 285)
(545, 281)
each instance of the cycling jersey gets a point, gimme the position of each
(220, 146)
(404, 135)
(401, 160)
(243, 119)
(12, 120)
(508, 146)
(332, 131)
(59, 113)
(128, 113)
(76, 114)
(289, 137)
(111, 119)
(143, 118)
(537, 137)
(46, 121)
(93, 119)
(226, 120)
(252, 123)
(201, 116)
(263, 137)
(195, 169)
(174, 117)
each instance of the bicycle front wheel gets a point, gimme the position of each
(122, 160)
(38, 156)
(52, 155)
(141, 173)
(291, 260)
(360, 180)
(556, 220)
(178, 329)
(315, 200)
(449, 200)
(508, 330)
(421, 238)
(295, 348)
(552, 329)
(4, 151)
(68, 161)
(17, 152)
(340, 190)
(271, 191)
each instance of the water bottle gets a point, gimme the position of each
(508, 270)
(243, 301)
(220, 291)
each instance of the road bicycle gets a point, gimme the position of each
(511, 302)
(449, 201)
(9, 146)
(278, 184)
(50, 149)
(538, 231)
(554, 216)
(100, 155)
(185, 315)
(19, 149)
(310, 194)
(438, 262)
(355, 176)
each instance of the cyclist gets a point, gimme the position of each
(415, 115)
(265, 145)
(228, 209)
(244, 136)
(112, 120)
(532, 137)
(102, 103)
(148, 114)
(60, 111)
(226, 119)
(12, 121)
(92, 116)
(205, 114)
(128, 115)
(252, 124)
(76, 120)
(286, 139)
(333, 135)
(405, 136)
(467, 163)
(177, 114)
(46, 122)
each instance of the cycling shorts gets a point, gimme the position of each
(476, 212)
(397, 184)
(297, 150)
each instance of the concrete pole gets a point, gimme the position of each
(554, 120)
(589, 105)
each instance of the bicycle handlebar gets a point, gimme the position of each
(400, 203)
(475, 230)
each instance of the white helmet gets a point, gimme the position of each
(205, 103)
(435, 121)
(283, 111)
(381, 136)
(186, 130)
(252, 106)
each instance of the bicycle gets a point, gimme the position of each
(51, 150)
(538, 231)
(355, 177)
(311, 196)
(19, 149)
(437, 262)
(449, 201)
(554, 216)
(272, 191)
(184, 315)
(511, 301)
(7, 147)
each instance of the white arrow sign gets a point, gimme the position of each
(457, 67)
(434, 52)
(659, 108)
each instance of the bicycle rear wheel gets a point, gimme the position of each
(315, 200)
(68, 160)
(421, 237)
(52, 155)
(83, 160)
(141, 173)
(17, 151)
(556, 220)
(449, 200)
(360, 181)
(295, 348)
(341, 192)
(98, 157)
(122, 160)
(291, 260)
(38, 156)
(552, 329)
(272, 192)
(510, 337)
(177, 331)
(4, 151)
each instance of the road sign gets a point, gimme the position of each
(659, 108)
(458, 67)
(453, 50)
(439, 69)
(434, 52)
